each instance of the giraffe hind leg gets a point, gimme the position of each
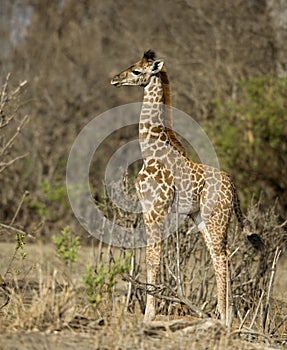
(215, 242)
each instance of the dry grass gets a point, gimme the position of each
(49, 300)
(52, 308)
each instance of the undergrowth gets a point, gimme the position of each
(56, 300)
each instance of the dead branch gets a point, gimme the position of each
(256, 310)
(8, 227)
(5, 98)
(273, 271)
(5, 165)
(157, 291)
(10, 142)
(275, 329)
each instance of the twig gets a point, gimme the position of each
(193, 308)
(8, 227)
(4, 165)
(244, 319)
(5, 98)
(130, 283)
(26, 193)
(3, 92)
(233, 253)
(8, 120)
(12, 139)
(183, 300)
(283, 224)
(273, 271)
(100, 244)
(256, 311)
(275, 329)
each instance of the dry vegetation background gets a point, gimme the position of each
(227, 66)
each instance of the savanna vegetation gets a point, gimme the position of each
(227, 68)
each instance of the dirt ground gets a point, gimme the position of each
(197, 334)
(177, 340)
(118, 331)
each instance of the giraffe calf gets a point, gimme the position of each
(206, 193)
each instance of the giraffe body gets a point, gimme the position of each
(169, 179)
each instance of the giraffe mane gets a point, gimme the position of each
(168, 113)
(149, 55)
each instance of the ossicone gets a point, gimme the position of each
(149, 55)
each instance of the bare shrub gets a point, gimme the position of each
(186, 285)
(12, 123)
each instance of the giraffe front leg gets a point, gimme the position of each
(156, 194)
(152, 265)
(154, 230)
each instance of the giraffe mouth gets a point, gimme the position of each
(118, 83)
(115, 83)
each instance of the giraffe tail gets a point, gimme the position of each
(256, 241)
(253, 238)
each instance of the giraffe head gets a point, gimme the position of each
(140, 73)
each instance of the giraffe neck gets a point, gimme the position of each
(155, 127)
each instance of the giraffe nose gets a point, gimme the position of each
(115, 81)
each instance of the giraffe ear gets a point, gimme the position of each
(156, 66)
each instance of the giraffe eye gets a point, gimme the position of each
(136, 72)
